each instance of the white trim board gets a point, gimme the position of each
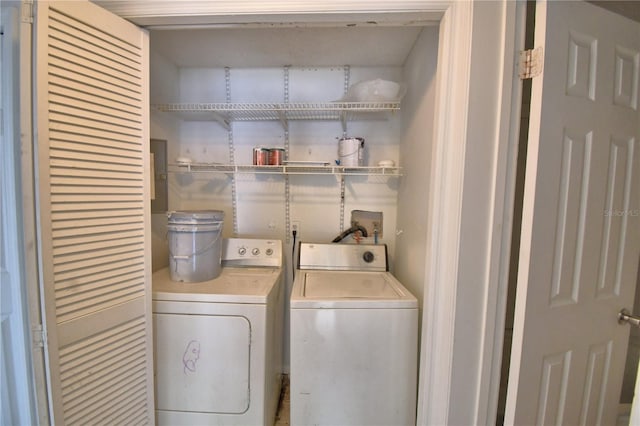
(255, 12)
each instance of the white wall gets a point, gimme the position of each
(416, 155)
(163, 88)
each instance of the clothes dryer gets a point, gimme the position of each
(218, 343)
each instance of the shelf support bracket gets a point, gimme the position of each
(283, 120)
(287, 185)
(232, 155)
(221, 120)
(343, 114)
(342, 195)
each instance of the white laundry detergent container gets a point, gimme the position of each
(195, 244)
(351, 151)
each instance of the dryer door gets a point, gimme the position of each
(202, 363)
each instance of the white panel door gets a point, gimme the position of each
(93, 159)
(581, 219)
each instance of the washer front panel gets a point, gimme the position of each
(354, 366)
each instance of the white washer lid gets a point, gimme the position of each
(349, 290)
(233, 285)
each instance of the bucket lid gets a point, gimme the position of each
(346, 139)
(196, 215)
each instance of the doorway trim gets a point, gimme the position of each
(473, 176)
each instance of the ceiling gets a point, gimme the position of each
(258, 33)
(295, 46)
(628, 8)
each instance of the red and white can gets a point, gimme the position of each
(276, 156)
(260, 156)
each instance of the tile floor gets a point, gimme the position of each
(282, 416)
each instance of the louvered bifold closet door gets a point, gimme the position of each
(92, 97)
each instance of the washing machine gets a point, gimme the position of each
(354, 337)
(218, 344)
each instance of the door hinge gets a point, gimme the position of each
(530, 63)
(39, 336)
(27, 11)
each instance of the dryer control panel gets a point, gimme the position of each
(343, 257)
(251, 252)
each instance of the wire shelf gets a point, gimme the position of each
(285, 169)
(225, 113)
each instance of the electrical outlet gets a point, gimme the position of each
(295, 226)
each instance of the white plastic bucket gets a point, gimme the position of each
(350, 152)
(195, 245)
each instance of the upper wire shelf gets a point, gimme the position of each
(225, 113)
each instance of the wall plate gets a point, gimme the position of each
(371, 221)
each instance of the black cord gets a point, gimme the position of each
(351, 230)
(293, 256)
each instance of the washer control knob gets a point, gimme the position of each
(255, 251)
(242, 251)
(368, 257)
(269, 252)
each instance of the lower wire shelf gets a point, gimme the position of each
(326, 169)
